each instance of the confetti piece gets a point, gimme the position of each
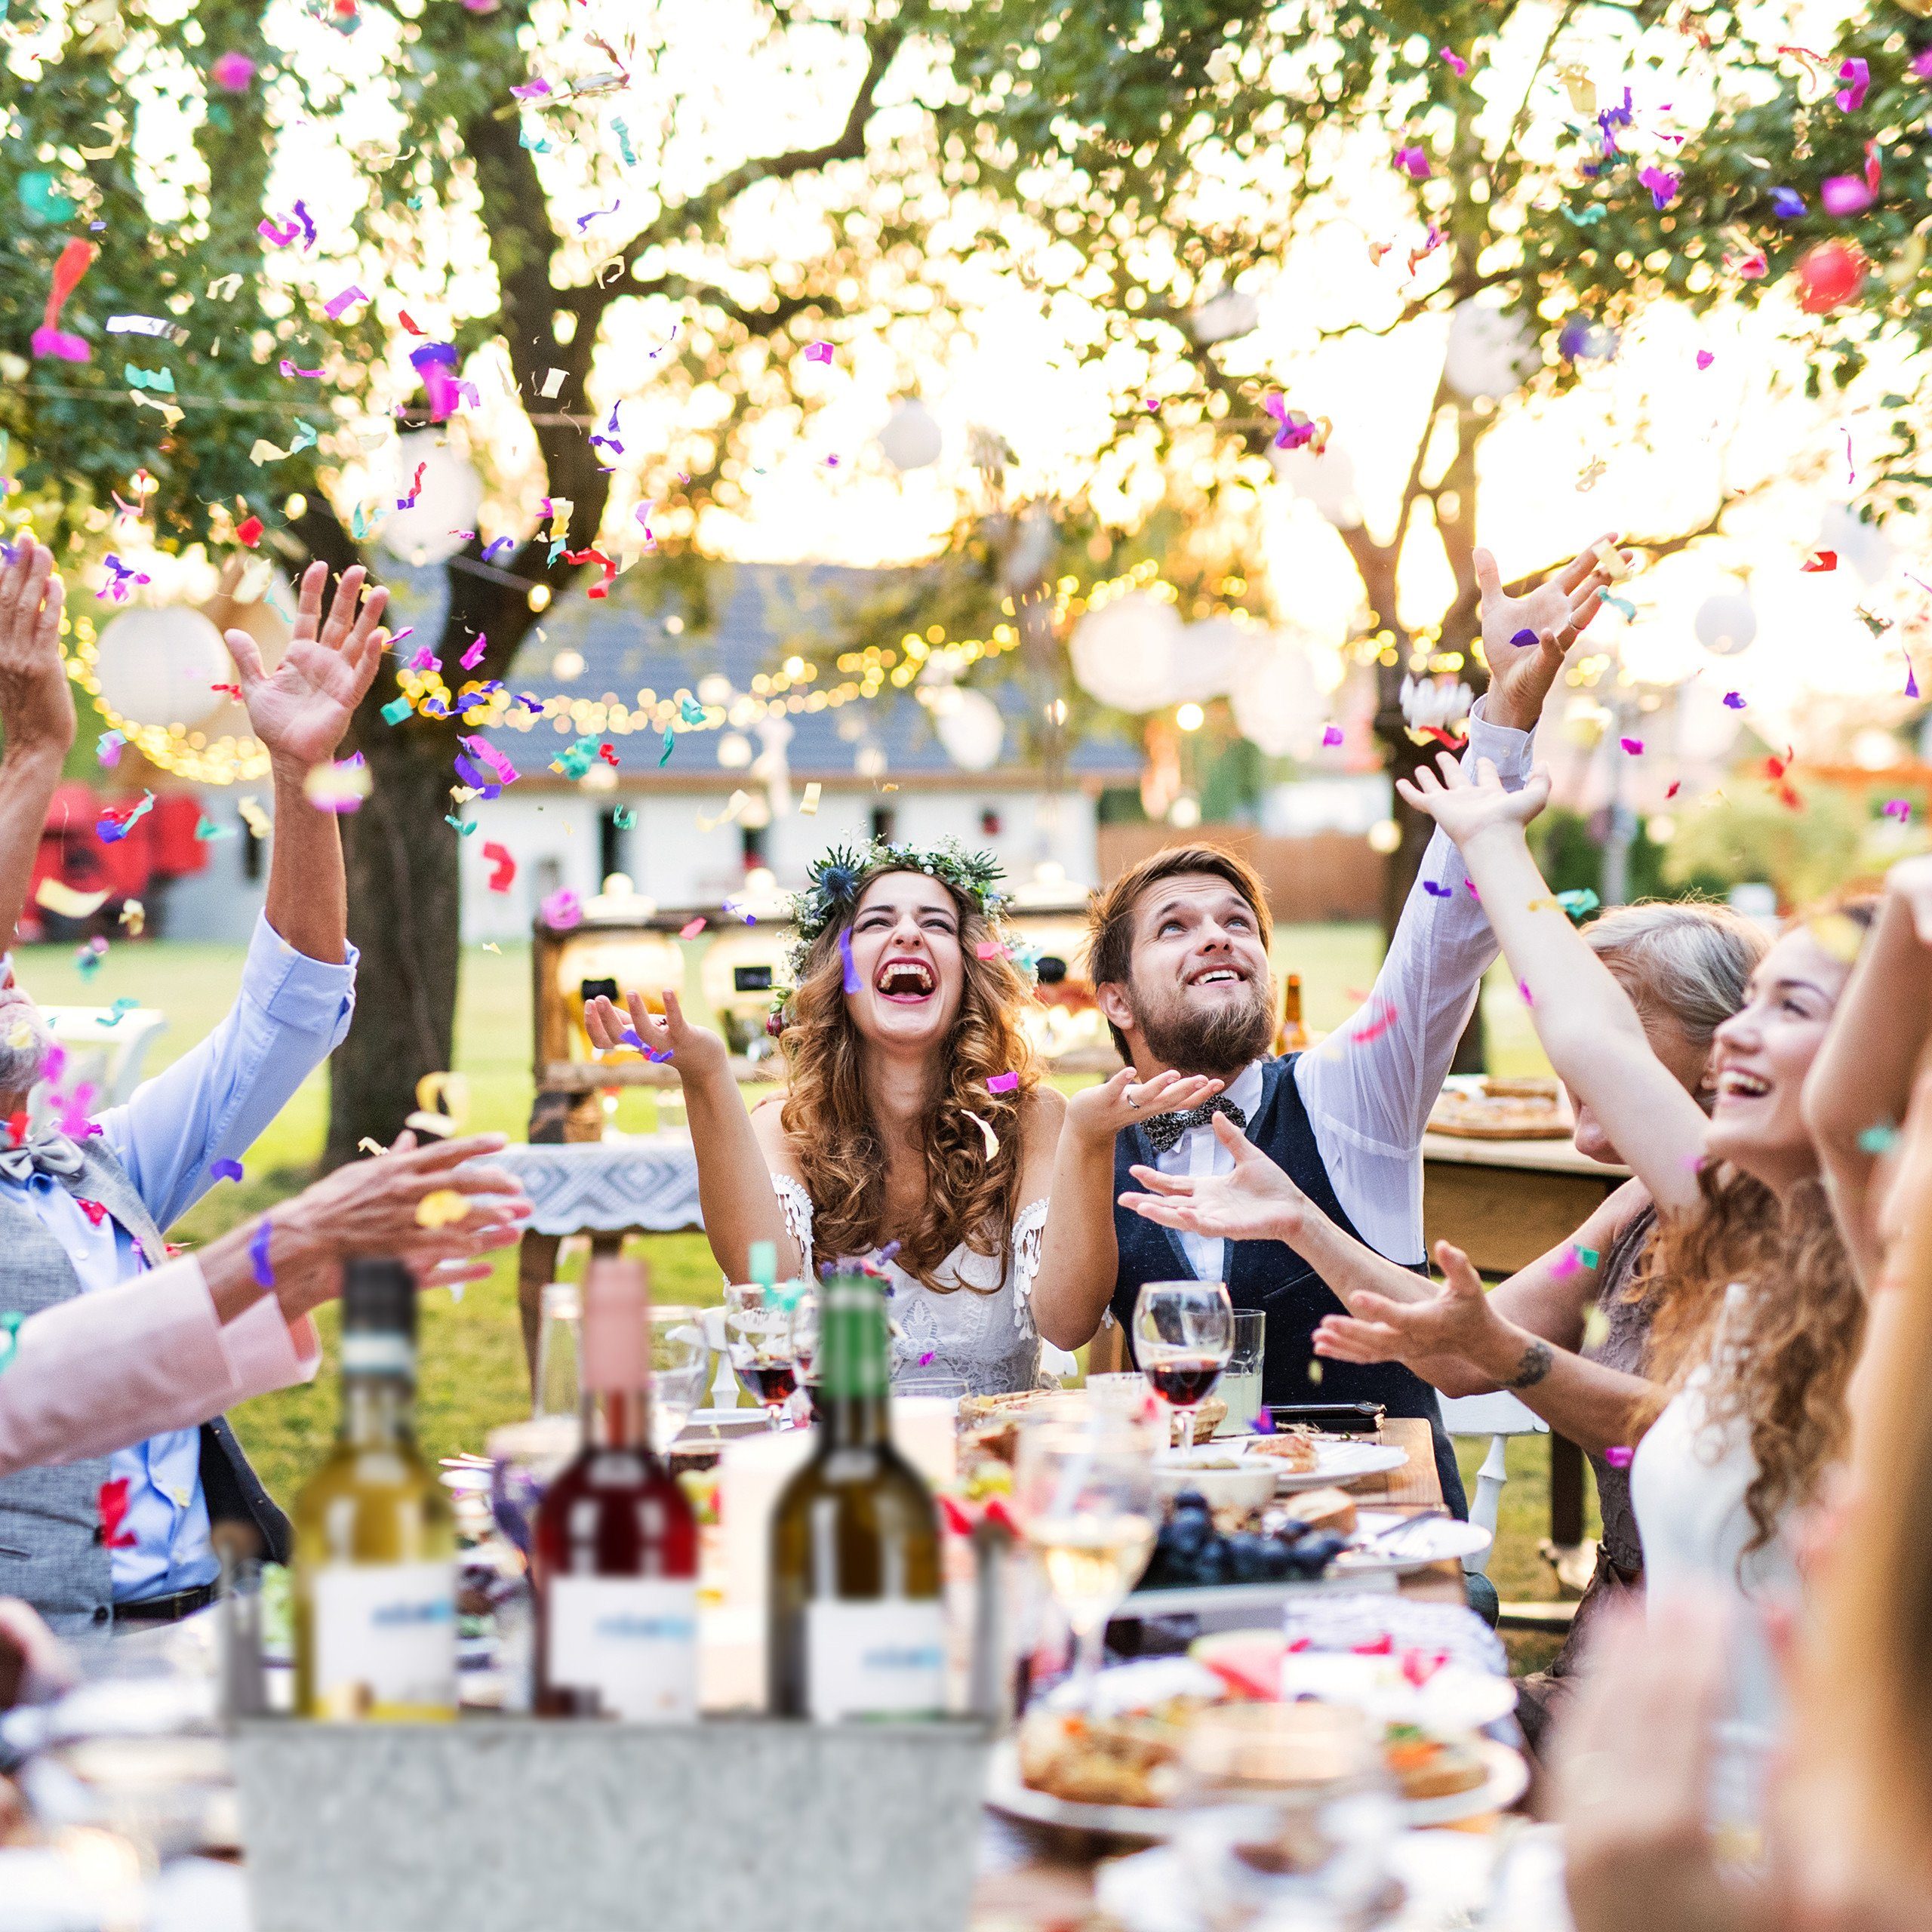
(1820, 560)
(258, 1254)
(503, 865)
(119, 1011)
(808, 805)
(1622, 606)
(561, 911)
(138, 325)
(1455, 61)
(1857, 74)
(1879, 1139)
(1375, 1026)
(1787, 204)
(225, 1170)
(1619, 1457)
(1523, 638)
(50, 338)
(231, 72)
(1523, 987)
(441, 1209)
(107, 748)
(473, 655)
(1002, 1083)
(366, 1145)
(991, 948)
(1845, 194)
(819, 352)
(112, 1501)
(1675, 785)
(1705, 358)
(336, 788)
(1331, 735)
(624, 817)
(1435, 891)
(853, 983)
(442, 1101)
(114, 826)
(1898, 808)
(985, 1128)
(1733, 701)
(135, 917)
(396, 710)
(692, 927)
(1596, 1329)
(61, 900)
(1579, 901)
(1634, 746)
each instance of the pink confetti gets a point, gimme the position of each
(562, 910)
(1619, 1457)
(692, 927)
(281, 237)
(334, 308)
(819, 352)
(1002, 1083)
(473, 655)
(231, 72)
(1456, 64)
(1845, 194)
(288, 368)
(1376, 1025)
(1523, 987)
(1565, 1265)
(1705, 358)
(1413, 162)
(1634, 746)
(1857, 76)
(1898, 808)
(991, 948)
(1331, 735)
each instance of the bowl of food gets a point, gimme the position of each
(1225, 1478)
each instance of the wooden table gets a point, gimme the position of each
(1503, 1203)
(1031, 1879)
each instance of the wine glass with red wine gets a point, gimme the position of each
(1184, 1334)
(757, 1336)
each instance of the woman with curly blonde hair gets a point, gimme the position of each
(914, 1132)
(1757, 1313)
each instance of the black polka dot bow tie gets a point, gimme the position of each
(1164, 1130)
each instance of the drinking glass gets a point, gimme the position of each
(560, 1325)
(757, 1337)
(1240, 1383)
(1184, 1334)
(679, 1362)
(804, 1330)
(1085, 1496)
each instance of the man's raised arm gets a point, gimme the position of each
(36, 713)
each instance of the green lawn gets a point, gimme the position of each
(472, 1354)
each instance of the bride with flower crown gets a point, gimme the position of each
(914, 1132)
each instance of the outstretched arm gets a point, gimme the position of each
(1079, 1258)
(1860, 1084)
(36, 713)
(1585, 1019)
(734, 1190)
(299, 714)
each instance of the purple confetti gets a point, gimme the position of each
(853, 982)
(226, 1169)
(1787, 204)
(1523, 638)
(1898, 808)
(335, 307)
(1733, 701)
(1331, 735)
(1857, 76)
(258, 1255)
(1634, 746)
(1001, 1083)
(1663, 185)
(1435, 891)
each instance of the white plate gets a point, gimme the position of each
(1427, 1539)
(1454, 1699)
(1337, 1464)
(1509, 1778)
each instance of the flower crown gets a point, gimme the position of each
(834, 882)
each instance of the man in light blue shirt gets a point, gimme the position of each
(127, 1539)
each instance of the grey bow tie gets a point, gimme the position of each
(1164, 1130)
(45, 1153)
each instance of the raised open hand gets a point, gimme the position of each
(1547, 620)
(1454, 1321)
(693, 1051)
(1100, 1112)
(36, 705)
(1464, 804)
(300, 713)
(1256, 1202)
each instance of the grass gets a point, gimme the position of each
(474, 1375)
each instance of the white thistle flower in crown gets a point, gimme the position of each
(1443, 702)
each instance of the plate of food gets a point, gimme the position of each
(1388, 1540)
(1306, 1461)
(1495, 1109)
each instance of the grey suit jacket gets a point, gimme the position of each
(53, 1551)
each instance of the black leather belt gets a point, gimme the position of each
(167, 1609)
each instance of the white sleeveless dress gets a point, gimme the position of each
(981, 1331)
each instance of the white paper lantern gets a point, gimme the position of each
(911, 437)
(1125, 652)
(158, 667)
(970, 728)
(1327, 480)
(431, 531)
(1705, 728)
(1204, 660)
(1489, 352)
(1223, 317)
(1725, 624)
(1279, 705)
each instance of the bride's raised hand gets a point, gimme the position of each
(689, 1051)
(1465, 803)
(1100, 1112)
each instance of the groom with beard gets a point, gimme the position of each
(1180, 965)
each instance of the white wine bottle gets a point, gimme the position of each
(857, 1629)
(375, 1540)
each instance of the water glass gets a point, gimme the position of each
(1183, 1334)
(558, 1334)
(1241, 1381)
(679, 1363)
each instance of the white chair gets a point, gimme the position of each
(1497, 1417)
(108, 1052)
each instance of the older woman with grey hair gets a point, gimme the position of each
(1568, 1333)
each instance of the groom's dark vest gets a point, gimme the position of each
(1275, 1279)
(53, 1550)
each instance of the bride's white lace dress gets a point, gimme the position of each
(982, 1330)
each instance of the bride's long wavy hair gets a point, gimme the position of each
(970, 1193)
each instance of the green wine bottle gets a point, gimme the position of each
(375, 1540)
(857, 1629)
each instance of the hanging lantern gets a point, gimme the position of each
(1279, 705)
(1125, 652)
(1828, 276)
(1205, 661)
(1725, 624)
(1489, 352)
(970, 728)
(160, 666)
(447, 496)
(911, 437)
(1327, 481)
(1224, 316)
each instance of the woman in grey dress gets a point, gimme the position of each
(1568, 1334)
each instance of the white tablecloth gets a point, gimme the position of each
(648, 1180)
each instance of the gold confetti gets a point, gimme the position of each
(329, 786)
(60, 898)
(135, 917)
(368, 1145)
(733, 805)
(1596, 1328)
(440, 1209)
(442, 1102)
(259, 825)
(985, 1128)
(1581, 89)
(1609, 558)
(808, 805)
(22, 1035)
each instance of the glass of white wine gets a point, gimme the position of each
(1085, 1495)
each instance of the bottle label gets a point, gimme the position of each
(385, 1640)
(874, 1660)
(377, 1351)
(631, 1640)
